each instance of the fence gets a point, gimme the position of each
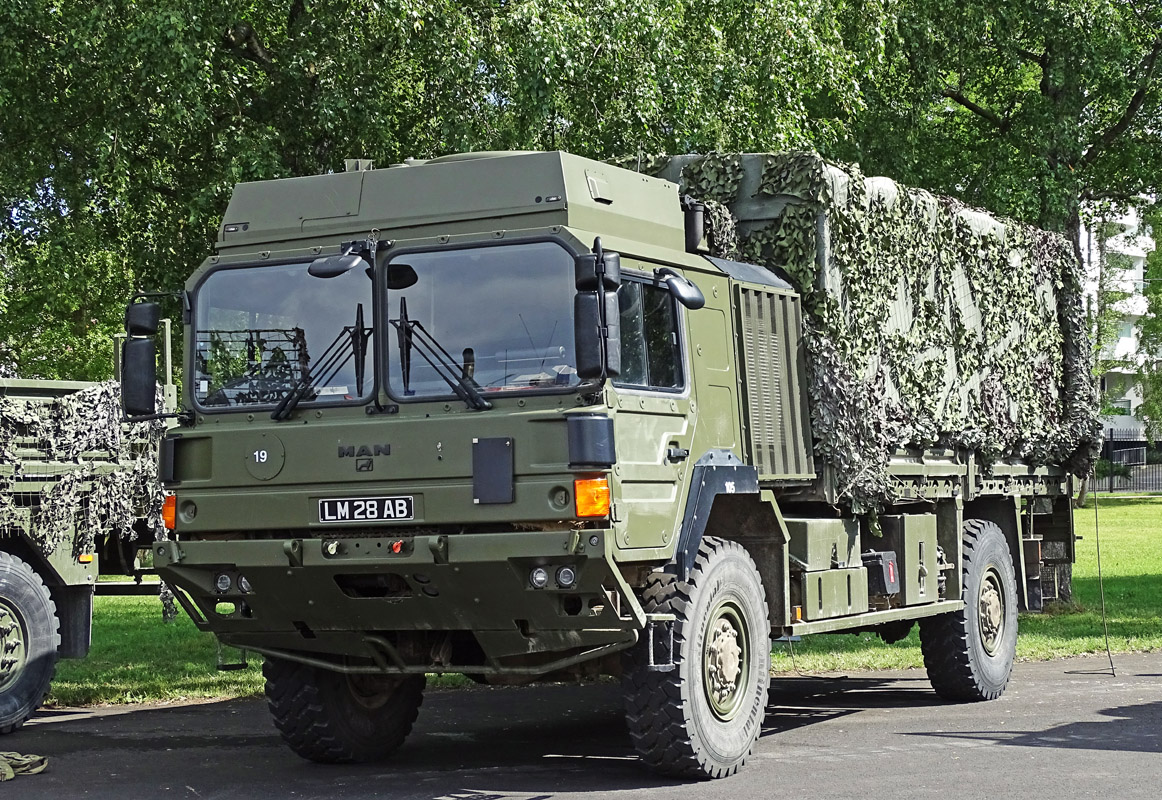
(1128, 463)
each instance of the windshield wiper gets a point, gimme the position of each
(351, 342)
(413, 335)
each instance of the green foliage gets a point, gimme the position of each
(127, 123)
(1024, 107)
(1104, 468)
(1150, 334)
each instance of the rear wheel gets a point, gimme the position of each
(333, 717)
(702, 718)
(29, 640)
(969, 654)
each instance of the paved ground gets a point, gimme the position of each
(1064, 729)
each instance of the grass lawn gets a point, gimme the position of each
(138, 658)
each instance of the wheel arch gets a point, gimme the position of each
(16, 543)
(725, 500)
(716, 474)
(1004, 512)
(74, 604)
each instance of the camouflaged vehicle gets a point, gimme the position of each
(77, 491)
(507, 415)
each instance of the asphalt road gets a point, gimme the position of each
(1063, 729)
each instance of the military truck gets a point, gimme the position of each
(507, 415)
(77, 492)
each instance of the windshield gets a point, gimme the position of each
(261, 331)
(481, 320)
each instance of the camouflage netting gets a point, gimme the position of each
(929, 324)
(77, 469)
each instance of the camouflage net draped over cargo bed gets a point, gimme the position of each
(72, 470)
(929, 324)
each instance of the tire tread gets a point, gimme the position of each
(307, 723)
(944, 639)
(654, 712)
(38, 585)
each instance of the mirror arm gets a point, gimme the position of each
(184, 417)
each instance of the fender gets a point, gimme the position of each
(715, 472)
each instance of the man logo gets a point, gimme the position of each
(364, 450)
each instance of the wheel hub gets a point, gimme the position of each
(12, 645)
(992, 612)
(724, 661)
(371, 691)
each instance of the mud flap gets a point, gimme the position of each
(717, 472)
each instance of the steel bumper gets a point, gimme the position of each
(344, 598)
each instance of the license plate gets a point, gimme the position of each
(367, 509)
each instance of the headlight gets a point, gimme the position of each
(539, 578)
(566, 577)
(243, 584)
(222, 583)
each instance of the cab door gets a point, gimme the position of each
(652, 427)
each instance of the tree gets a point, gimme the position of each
(1150, 334)
(136, 118)
(1029, 108)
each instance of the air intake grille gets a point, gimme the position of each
(772, 369)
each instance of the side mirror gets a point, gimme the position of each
(401, 276)
(138, 377)
(597, 269)
(139, 360)
(596, 316)
(333, 266)
(141, 319)
(681, 288)
(598, 346)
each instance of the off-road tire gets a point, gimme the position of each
(29, 641)
(322, 718)
(969, 653)
(676, 727)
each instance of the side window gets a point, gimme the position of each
(650, 355)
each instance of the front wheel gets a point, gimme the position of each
(333, 717)
(29, 640)
(969, 654)
(702, 718)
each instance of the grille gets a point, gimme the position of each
(778, 431)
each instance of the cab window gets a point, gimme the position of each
(650, 355)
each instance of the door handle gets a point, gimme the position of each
(676, 454)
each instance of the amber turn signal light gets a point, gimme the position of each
(169, 512)
(592, 496)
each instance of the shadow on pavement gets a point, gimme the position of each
(1136, 729)
(529, 741)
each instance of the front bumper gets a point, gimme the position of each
(337, 601)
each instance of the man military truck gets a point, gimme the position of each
(507, 415)
(77, 493)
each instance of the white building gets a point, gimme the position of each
(1125, 266)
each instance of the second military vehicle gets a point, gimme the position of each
(508, 415)
(79, 497)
